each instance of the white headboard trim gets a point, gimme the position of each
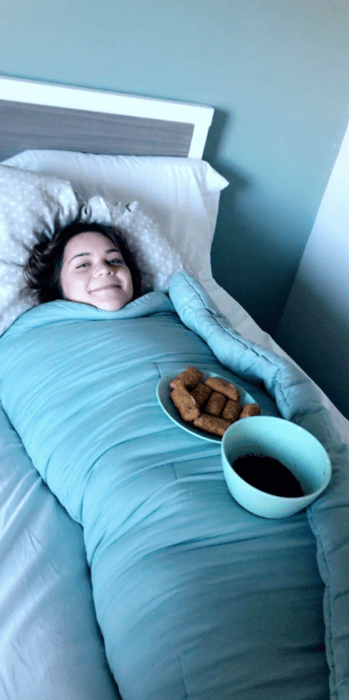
(33, 92)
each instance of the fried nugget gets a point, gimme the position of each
(185, 403)
(229, 390)
(231, 411)
(212, 424)
(201, 392)
(250, 409)
(215, 404)
(189, 378)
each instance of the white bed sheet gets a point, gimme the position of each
(244, 324)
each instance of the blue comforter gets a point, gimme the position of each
(195, 597)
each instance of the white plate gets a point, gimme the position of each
(163, 391)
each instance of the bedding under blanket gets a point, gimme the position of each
(195, 597)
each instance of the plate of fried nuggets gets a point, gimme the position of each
(204, 403)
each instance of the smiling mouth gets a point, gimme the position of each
(109, 286)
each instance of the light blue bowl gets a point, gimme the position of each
(293, 446)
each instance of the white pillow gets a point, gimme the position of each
(32, 203)
(180, 194)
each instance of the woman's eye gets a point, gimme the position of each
(113, 263)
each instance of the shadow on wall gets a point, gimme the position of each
(314, 330)
(250, 259)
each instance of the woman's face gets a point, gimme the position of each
(93, 272)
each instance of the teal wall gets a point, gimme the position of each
(275, 70)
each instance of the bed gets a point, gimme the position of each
(126, 568)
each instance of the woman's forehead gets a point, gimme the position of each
(89, 241)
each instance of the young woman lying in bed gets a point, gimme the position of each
(87, 263)
(195, 597)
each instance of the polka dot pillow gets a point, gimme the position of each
(31, 203)
(156, 256)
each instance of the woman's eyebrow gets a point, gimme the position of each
(110, 250)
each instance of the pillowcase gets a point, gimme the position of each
(180, 194)
(31, 203)
(157, 258)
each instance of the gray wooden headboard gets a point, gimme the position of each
(40, 115)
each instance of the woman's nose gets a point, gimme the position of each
(103, 268)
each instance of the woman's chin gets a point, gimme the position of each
(111, 304)
(115, 303)
(110, 300)
(111, 307)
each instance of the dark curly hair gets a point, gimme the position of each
(43, 269)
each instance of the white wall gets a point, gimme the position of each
(314, 327)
